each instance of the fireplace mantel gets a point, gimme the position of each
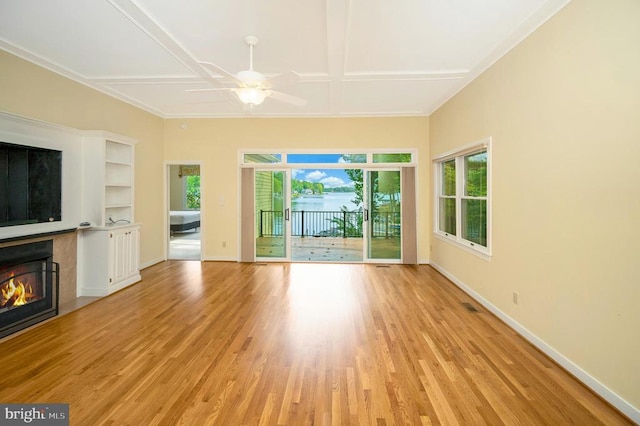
(38, 235)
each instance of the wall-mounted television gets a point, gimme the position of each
(30, 185)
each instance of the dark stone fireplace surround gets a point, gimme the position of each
(29, 283)
(64, 253)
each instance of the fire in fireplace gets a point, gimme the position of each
(28, 285)
(17, 295)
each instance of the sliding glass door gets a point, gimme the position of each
(383, 219)
(272, 214)
(380, 221)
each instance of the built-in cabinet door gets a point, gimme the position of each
(133, 260)
(118, 251)
(123, 254)
(114, 262)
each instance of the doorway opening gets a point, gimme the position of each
(326, 215)
(184, 212)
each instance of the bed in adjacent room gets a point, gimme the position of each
(184, 220)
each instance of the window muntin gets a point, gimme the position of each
(463, 207)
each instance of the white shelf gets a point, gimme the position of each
(119, 163)
(109, 164)
(118, 152)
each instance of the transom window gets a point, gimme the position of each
(463, 198)
(333, 159)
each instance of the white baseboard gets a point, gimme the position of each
(152, 262)
(205, 259)
(607, 394)
(220, 259)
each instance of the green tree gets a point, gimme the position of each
(193, 192)
(349, 224)
(298, 186)
(475, 221)
(358, 179)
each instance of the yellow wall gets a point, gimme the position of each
(563, 109)
(31, 91)
(216, 143)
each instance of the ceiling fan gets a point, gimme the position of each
(254, 87)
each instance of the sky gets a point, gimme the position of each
(330, 178)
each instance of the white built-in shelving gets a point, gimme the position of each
(112, 240)
(109, 164)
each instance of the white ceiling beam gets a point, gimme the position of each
(338, 12)
(150, 27)
(405, 76)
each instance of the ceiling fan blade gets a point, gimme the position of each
(213, 89)
(282, 80)
(221, 71)
(290, 99)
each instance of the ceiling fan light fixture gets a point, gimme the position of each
(251, 95)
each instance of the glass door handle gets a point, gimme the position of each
(366, 215)
(286, 214)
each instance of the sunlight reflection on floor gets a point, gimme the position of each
(322, 298)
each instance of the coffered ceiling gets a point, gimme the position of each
(355, 57)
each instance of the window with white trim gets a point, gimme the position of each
(463, 207)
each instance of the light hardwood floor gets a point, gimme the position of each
(232, 344)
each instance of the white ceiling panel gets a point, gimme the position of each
(90, 38)
(413, 97)
(355, 57)
(429, 35)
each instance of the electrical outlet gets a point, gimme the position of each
(224, 244)
(515, 297)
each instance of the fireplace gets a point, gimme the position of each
(29, 281)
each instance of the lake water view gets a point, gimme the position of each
(314, 222)
(329, 201)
